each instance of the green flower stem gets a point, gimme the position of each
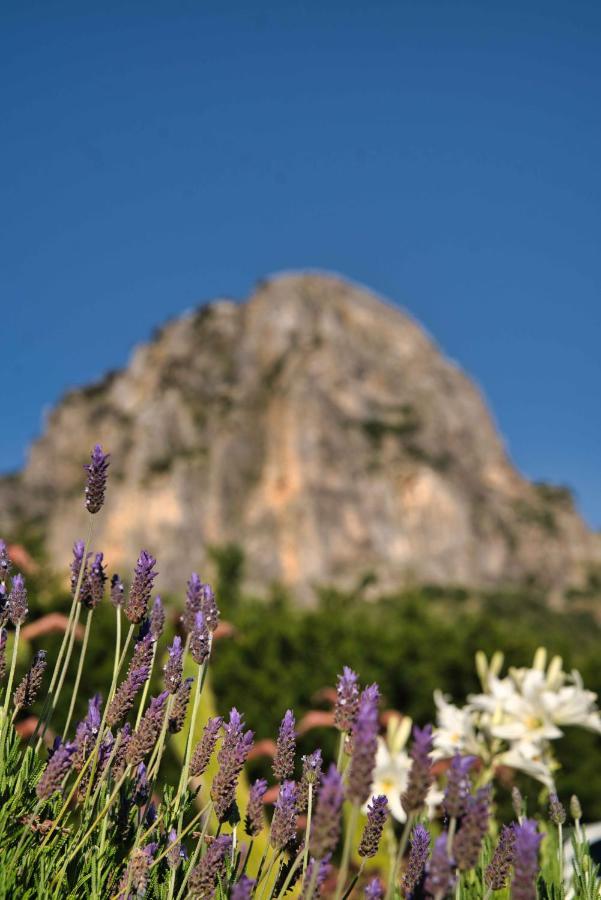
(400, 853)
(293, 868)
(308, 829)
(146, 686)
(117, 644)
(190, 736)
(82, 656)
(9, 687)
(451, 835)
(193, 859)
(346, 851)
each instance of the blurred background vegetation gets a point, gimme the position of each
(279, 655)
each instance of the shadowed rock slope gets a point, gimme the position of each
(321, 430)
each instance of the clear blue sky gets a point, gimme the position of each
(447, 154)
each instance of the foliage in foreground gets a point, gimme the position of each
(93, 814)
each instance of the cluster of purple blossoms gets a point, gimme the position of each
(5, 564)
(157, 619)
(86, 732)
(374, 889)
(201, 756)
(57, 768)
(92, 589)
(134, 881)
(325, 829)
(525, 861)
(312, 764)
(146, 734)
(283, 764)
(283, 825)
(200, 599)
(416, 862)
(467, 843)
(377, 813)
(137, 602)
(117, 591)
(323, 870)
(119, 759)
(125, 695)
(253, 822)
(557, 813)
(174, 666)
(3, 639)
(458, 786)
(420, 774)
(203, 877)
(76, 564)
(176, 852)
(27, 691)
(440, 876)
(97, 471)
(498, 869)
(232, 755)
(17, 601)
(347, 700)
(179, 706)
(364, 747)
(200, 640)
(243, 888)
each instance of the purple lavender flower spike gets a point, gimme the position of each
(204, 876)
(157, 619)
(125, 695)
(119, 764)
(176, 852)
(325, 830)
(4, 610)
(95, 583)
(173, 668)
(557, 813)
(17, 601)
(27, 690)
(283, 764)
(416, 863)
(498, 869)
(139, 594)
(87, 732)
(377, 813)
(96, 484)
(467, 843)
(283, 826)
(440, 877)
(204, 749)
(243, 889)
(525, 861)
(322, 874)
(76, 563)
(420, 775)
(208, 607)
(312, 764)
(55, 771)
(200, 640)
(179, 708)
(374, 889)
(146, 734)
(137, 872)
(193, 601)
(3, 638)
(5, 564)
(458, 785)
(254, 820)
(232, 755)
(347, 700)
(117, 591)
(364, 747)
(141, 791)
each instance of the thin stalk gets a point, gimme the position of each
(354, 881)
(9, 685)
(341, 751)
(313, 879)
(560, 856)
(157, 753)
(190, 736)
(290, 874)
(184, 832)
(117, 644)
(276, 854)
(451, 835)
(308, 828)
(82, 656)
(400, 853)
(146, 686)
(346, 851)
(192, 860)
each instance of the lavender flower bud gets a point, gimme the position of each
(3, 638)
(243, 889)
(467, 843)
(231, 757)
(204, 748)
(458, 786)
(176, 852)
(119, 759)
(420, 774)
(17, 601)
(76, 564)
(137, 872)
(347, 700)
(200, 640)
(283, 764)
(139, 594)
(364, 747)
(208, 607)
(322, 874)
(87, 732)
(557, 812)
(157, 619)
(5, 564)
(575, 808)
(377, 814)
(179, 706)
(416, 863)
(497, 871)
(374, 889)
(283, 826)
(440, 878)
(143, 650)
(193, 601)
(174, 666)
(4, 610)
(125, 695)
(254, 820)
(95, 583)
(518, 802)
(146, 734)
(204, 876)
(325, 830)
(141, 790)
(27, 690)
(312, 764)
(117, 591)
(525, 861)
(55, 771)
(96, 484)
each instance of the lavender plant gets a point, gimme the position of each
(91, 813)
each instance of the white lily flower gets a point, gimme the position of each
(455, 731)
(531, 759)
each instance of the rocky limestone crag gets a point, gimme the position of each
(321, 430)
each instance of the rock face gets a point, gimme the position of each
(321, 430)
